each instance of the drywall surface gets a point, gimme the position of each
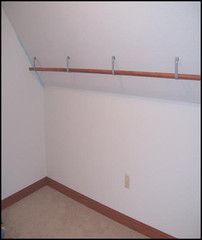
(23, 145)
(143, 36)
(93, 139)
(170, 89)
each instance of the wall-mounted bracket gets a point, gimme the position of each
(67, 63)
(176, 67)
(34, 63)
(113, 62)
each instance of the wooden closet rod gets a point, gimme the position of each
(120, 72)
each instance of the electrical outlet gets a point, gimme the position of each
(127, 181)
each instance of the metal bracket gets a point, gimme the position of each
(67, 62)
(113, 62)
(34, 63)
(176, 67)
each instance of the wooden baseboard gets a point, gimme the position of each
(109, 212)
(23, 193)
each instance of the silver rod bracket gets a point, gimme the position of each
(67, 63)
(113, 62)
(176, 67)
(34, 63)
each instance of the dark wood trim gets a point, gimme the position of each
(109, 212)
(23, 193)
(120, 72)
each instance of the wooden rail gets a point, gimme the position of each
(120, 72)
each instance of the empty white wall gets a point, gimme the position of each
(94, 138)
(23, 146)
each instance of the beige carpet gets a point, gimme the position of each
(48, 213)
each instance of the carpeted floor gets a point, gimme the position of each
(48, 213)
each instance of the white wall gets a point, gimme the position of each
(23, 146)
(94, 138)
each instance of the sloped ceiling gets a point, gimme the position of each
(144, 36)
